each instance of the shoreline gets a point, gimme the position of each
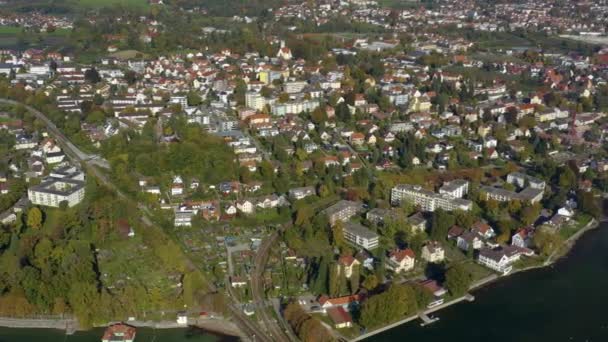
(222, 327)
(552, 259)
(218, 327)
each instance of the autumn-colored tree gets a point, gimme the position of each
(34, 218)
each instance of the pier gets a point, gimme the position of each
(424, 316)
(426, 320)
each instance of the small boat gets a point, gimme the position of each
(119, 332)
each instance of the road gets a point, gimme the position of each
(68, 147)
(91, 162)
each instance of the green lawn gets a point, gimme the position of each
(15, 30)
(574, 226)
(10, 29)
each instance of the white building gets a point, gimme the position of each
(53, 191)
(433, 252)
(522, 180)
(183, 217)
(401, 260)
(245, 206)
(500, 260)
(455, 189)
(255, 100)
(360, 236)
(427, 200)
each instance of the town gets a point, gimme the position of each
(346, 164)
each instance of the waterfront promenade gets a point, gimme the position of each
(70, 325)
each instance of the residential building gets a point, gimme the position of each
(347, 263)
(427, 200)
(53, 191)
(300, 193)
(433, 252)
(522, 180)
(483, 229)
(346, 302)
(528, 194)
(401, 260)
(417, 222)
(342, 211)
(183, 217)
(294, 107)
(455, 189)
(501, 259)
(360, 236)
(379, 216)
(522, 238)
(245, 206)
(255, 100)
(469, 240)
(340, 317)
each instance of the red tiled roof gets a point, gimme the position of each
(119, 332)
(339, 300)
(400, 254)
(338, 315)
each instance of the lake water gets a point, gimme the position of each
(143, 335)
(565, 302)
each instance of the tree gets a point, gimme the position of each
(307, 328)
(530, 213)
(546, 241)
(335, 278)
(321, 275)
(92, 76)
(130, 77)
(318, 115)
(567, 179)
(337, 234)
(266, 92)
(458, 280)
(194, 99)
(303, 215)
(283, 97)
(588, 204)
(34, 218)
(354, 280)
(370, 282)
(441, 221)
(398, 301)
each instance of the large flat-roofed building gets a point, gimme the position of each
(342, 211)
(67, 172)
(360, 236)
(255, 100)
(53, 191)
(521, 180)
(455, 189)
(427, 200)
(528, 194)
(380, 216)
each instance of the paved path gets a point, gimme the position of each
(70, 325)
